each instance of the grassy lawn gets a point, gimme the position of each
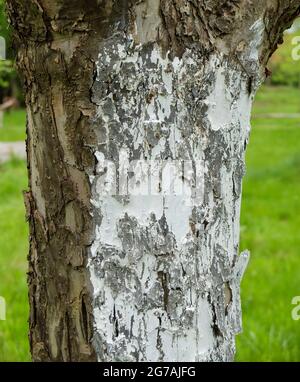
(277, 99)
(14, 126)
(269, 229)
(13, 267)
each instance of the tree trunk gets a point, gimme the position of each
(138, 121)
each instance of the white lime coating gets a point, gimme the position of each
(156, 264)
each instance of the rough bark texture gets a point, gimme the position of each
(138, 277)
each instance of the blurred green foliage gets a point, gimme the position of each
(9, 82)
(7, 72)
(285, 70)
(4, 28)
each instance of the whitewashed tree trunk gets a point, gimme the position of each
(164, 267)
(116, 275)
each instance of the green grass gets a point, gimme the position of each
(277, 99)
(269, 228)
(13, 266)
(14, 126)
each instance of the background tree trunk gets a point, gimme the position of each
(138, 277)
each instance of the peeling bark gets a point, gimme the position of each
(131, 277)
